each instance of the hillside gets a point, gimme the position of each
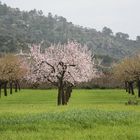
(18, 28)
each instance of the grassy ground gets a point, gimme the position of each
(90, 115)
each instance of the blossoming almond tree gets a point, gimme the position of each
(63, 66)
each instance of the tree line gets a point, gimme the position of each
(64, 66)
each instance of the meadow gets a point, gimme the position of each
(89, 115)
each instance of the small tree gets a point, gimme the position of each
(128, 71)
(11, 71)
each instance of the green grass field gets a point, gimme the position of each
(90, 115)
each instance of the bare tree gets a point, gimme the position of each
(12, 71)
(128, 72)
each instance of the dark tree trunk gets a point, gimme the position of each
(61, 93)
(5, 88)
(63, 97)
(11, 86)
(70, 92)
(132, 88)
(67, 95)
(16, 86)
(138, 88)
(59, 96)
(126, 86)
(129, 88)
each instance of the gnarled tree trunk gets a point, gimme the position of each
(63, 97)
(68, 93)
(59, 97)
(5, 88)
(11, 86)
(126, 86)
(131, 87)
(16, 86)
